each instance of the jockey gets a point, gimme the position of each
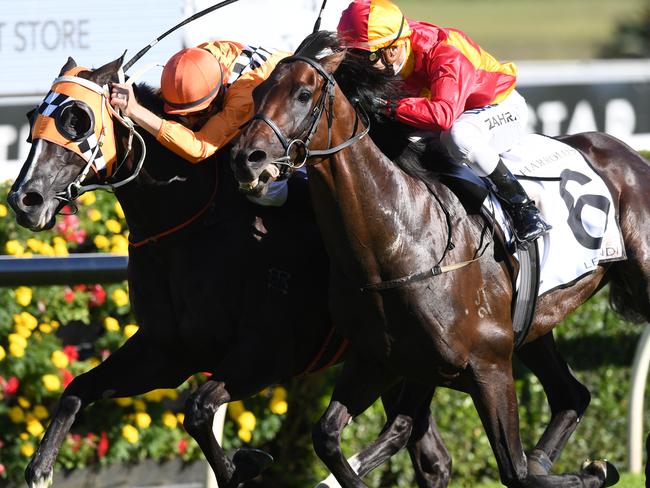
(459, 90)
(209, 89)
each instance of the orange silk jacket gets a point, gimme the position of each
(244, 68)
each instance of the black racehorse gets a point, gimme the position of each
(217, 284)
(411, 305)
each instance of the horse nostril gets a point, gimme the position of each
(32, 198)
(257, 156)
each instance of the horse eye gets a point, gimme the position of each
(304, 96)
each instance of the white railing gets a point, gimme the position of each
(640, 368)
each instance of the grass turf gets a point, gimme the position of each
(627, 481)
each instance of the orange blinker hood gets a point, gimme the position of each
(97, 146)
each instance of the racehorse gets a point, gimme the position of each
(217, 284)
(411, 304)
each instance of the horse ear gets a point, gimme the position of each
(108, 72)
(69, 64)
(332, 62)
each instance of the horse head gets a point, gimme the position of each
(291, 104)
(80, 143)
(76, 146)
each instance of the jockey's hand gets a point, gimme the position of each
(384, 109)
(122, 98)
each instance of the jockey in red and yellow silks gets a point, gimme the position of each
(210, 89)
(457, 89)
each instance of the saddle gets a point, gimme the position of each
(473, 192)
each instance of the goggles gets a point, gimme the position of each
(373, 56)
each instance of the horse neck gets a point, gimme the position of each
(370, 211)
(167, 192)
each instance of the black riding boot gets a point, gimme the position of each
(526, 220)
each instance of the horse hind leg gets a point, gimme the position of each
(430, 458)
(629, 292)
(568, 399)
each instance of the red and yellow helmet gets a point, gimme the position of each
(190, 81)
(372, 25)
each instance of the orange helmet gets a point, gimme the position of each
(372, 25)
(190, 81)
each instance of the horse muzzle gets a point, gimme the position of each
(32, 210)
(253, 176)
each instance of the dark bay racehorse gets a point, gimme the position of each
(384, 226)
(217, 284)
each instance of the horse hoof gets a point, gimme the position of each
(603, 469)
(35, 481)
(249, 463)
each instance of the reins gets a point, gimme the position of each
(302, 143)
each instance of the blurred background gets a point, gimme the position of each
(584, 65)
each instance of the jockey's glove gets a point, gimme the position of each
(384, 109)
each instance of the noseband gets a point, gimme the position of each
(299, 146)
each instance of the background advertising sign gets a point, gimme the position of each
(36, 37)
(581, 96)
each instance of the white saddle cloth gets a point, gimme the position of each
(574, 200)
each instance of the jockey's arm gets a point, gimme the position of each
(218, 131)
(448, 91)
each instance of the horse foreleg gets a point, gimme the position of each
(242, 373)
(493, 392)
(403, 404)
(133, 369)
(430, 458)
(358, 386)
(410, 423)
(567, 397)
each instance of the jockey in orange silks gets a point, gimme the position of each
(209, 88)
(459, 90)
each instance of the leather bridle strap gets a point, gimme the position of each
(327, 96)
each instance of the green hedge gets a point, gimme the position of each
(39, 354)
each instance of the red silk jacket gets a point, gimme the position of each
(449, 73)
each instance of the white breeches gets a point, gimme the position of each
(480, 135)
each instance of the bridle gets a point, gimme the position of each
(93, 154)
(76, 188)
(296, 149)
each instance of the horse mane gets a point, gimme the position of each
(358, 80)
(149, 97)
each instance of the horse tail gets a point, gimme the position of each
(625, 304)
